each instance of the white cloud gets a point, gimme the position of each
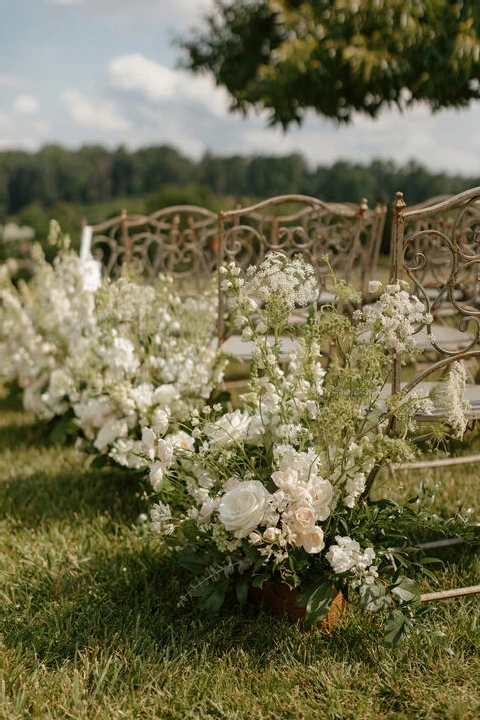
(8, 80)
(94, 114)
(67, 2)
(17, 135)
(157, 83)
(25, 104)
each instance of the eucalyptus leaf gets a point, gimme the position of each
(212, 599)
(193, 561)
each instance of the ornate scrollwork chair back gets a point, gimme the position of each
(436, 248)
(180, 241)
(299, 224)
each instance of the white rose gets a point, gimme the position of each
(320, 492)
(312, 541)
(241, 509)
(285, 479)
(304, 519)
(229, 429)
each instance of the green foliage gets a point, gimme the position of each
(192, 194)
(339, 57)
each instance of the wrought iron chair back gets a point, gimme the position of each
(299, 224)
(180, 241)
(434, 272)
(450, 230)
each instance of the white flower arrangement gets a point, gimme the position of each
(106, 358)
(278, 489)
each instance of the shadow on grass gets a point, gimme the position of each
(129, 600)
(19, 428)
(41, 479)
(72, 492)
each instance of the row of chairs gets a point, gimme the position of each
(190, 243)
(434, 245)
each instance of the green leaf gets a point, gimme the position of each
(397, 627)
(194, 561)
(99, 462)
(241, 591)
(213, 597)
(316, 602)
(406, 589)
(374, 597)
(258, 580)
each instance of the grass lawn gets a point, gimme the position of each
(90, 627)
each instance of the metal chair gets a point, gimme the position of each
(348, 233)
(449, 231)
(180, 241)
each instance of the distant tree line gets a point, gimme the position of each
(60, 182)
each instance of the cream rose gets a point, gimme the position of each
(320, 493)
(312, 541)
(304, 519)
(229, 429)
(241, 509)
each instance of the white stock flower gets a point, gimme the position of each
(160, 421)
(161, 516)
(156, 475)
(241, 509)
(148, 442)
(111, 431)
(348, 556)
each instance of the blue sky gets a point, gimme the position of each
(105, 71)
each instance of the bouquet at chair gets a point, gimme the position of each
(152, 359)
(278, 490)
(101, 359)
(42, 322)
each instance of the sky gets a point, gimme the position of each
(75, 72)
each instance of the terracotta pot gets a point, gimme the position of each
(280, 600)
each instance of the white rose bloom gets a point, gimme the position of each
(285, 479)
(229, 429)
(270, 534)
(241, 509)
(312, 541)
(320, 492)
(304, 519)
